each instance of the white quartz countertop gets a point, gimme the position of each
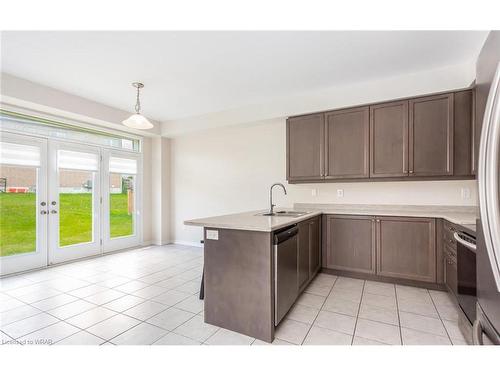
(463, 215)
(251, 221)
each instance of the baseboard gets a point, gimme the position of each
(385, 279)
(187, 243)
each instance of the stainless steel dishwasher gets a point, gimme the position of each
(286, 286)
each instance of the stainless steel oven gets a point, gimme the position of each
(466, 274)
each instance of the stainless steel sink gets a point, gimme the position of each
(284, 213)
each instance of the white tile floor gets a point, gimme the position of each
(150, 296)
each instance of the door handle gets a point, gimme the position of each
(487, 172)
(463, 242)
(477, 333)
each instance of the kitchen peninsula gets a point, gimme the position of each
(257, 265)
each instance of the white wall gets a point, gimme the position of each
(160, 193)
(389, 88)
(230, 169)
(147, 191)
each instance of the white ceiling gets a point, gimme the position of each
(193, 73)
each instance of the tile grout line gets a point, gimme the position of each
(440, 318)
(357, 315)
(399, 317)
(319, 311)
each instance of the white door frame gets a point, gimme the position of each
(112, 244)
(56, 253)
(38, 258)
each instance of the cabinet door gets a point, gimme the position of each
(389, 139)
(406, 248)
(347, 143)
(463, 139)
(431, 136)
(350, 243)
(314, 246)
(305, 142)
(303, 254)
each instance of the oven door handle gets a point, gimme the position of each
(463, 242)
(477, 333)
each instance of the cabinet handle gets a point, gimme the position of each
(43, 212)
(378, 221)
(411, 171)
(53, 211)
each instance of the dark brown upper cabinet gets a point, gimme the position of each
(431, 136)
(347, 143)
(463, 134)
(389, 139)
(305, 142)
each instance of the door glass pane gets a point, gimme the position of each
(75, 206)
(18, 209)
(121, 204)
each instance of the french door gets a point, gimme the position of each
(23, 203)
(73, 201)
(61, 201)
(121, 200)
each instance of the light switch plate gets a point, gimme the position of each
(212, 234)
(340, 193)
(314, 192)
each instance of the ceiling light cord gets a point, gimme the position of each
(138, 102)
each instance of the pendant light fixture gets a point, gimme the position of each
(138, 121)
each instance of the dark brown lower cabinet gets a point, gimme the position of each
(303, 254)
(406, 248)
(350, 243)
(450, 270)
(315, 245)
(309, 253)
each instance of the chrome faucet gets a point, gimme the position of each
(271, 196)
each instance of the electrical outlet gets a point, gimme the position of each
(340, 193)
(212, 234)
(465, 193)
(314, 192)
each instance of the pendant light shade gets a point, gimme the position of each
(137, 121)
